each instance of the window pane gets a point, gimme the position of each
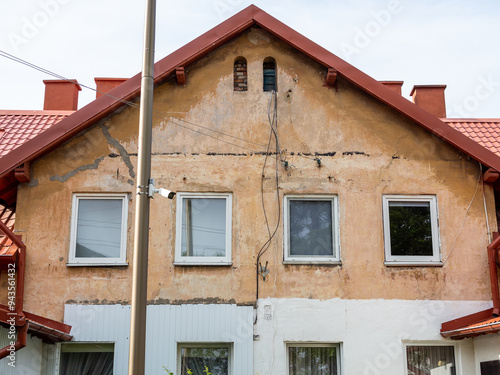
(431, 360)
(99, 228)
(195, 359)
(269, 76)
(83, 363)
(311, 227)
(312, 360)
(203, 227)
(411, 229)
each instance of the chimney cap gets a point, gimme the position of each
(109, 79)
(416, 87)
(105, 84)
(45, 81)
(393, 85)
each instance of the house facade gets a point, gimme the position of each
(322, 223)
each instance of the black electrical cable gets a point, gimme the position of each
(274, 125)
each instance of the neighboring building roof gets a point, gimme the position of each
(46, 329)
(471, 325)
(486, 132)
(214, 38)
(18, 127)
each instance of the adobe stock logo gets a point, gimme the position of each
(31, 26)
(364, 36)
(483, 91)
(225, 8)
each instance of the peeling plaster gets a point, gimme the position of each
(123, 153)
(355, 153)
(33, 183)
(164, 301)
(65, 177)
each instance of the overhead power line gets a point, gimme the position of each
(161, 115)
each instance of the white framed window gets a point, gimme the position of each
(200, 357)
(98, 229)
(411, 230)
(430, 359)
(312, 358)
(86, 358)
(311, 229)
(203, 229)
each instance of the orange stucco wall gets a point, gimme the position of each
(367, 150)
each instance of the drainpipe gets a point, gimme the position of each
(22, 335)
(21, 260)
(492, 249)
(20, 322)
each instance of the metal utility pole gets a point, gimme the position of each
(137, 352)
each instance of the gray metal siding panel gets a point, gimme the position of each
(167, 325)
(27, 360)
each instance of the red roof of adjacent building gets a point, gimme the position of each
(486, 132)
(18, 127)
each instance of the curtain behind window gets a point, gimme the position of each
(312, 360)
(431, 360)
(83, 363)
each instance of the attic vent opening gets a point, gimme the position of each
(269, 70)
(240, 74)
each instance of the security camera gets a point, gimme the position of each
(165, 193)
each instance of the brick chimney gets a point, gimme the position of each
(103, 85)
(430, 98)
(393, 85)
(61, 95)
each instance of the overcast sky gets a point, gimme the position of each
(448, 42)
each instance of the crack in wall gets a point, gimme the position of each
(85, 167)
(123, 153)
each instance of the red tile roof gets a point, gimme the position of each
(486, 132)
(18, 127)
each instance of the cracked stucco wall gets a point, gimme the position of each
(366, 150)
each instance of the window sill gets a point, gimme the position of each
(211, 264)
(316, 261)
(413, 264)
(96, 264)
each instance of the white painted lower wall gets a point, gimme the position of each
(486, 348)
(372, 333)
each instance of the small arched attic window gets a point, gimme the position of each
(240, 80)
(269, 74)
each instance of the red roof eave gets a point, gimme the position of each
(48, 329)
(471, 325)
(206, 43)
